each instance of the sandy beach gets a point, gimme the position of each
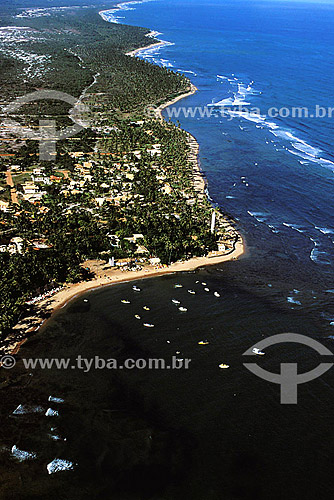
(109, 277)
(103, 277)
(156, 45)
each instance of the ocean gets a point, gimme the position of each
(206, 433)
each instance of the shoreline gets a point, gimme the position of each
(155, 45)
(48, 307)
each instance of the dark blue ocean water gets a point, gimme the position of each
(206, 433)
(273, 173)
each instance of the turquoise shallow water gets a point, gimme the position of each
(206, 433)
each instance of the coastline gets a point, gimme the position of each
(155, 45)
(47, 307)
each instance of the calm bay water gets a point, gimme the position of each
(206, 433)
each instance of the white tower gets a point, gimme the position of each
(213, 222)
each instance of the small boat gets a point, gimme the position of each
(197, 281)
(148, 325)
(178, 352)
(203, 342)
(146, 308)
(192, 292)
(204, 284)
(258, 352)
(85, 300)
(177, 302)
(137, 316)
(224, 366)
(216, 294)
(125, 301)
(178, 285)
(183, 309)
(136, 288)
(207, 289)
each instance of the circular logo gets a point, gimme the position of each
(7, 361)
(150, 111)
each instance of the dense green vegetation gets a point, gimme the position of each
(124, 189)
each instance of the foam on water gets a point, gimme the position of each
(292, 300)
(295, 227)
(300, 147)
(187, 71)
(151, 54)
(238, 89)
(259, 216)
(324, 230)
(318, 256)
(58, 465)
(52, 399)
(21, 455)
(51, 413)
(24, 409)
(109, 15)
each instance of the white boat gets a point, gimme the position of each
(146, 308)
(177, 302)
(192, 292)
(204, 284)
(125, 301)
(203, 342)
(258, 352)
(207, 289)
(85, 300)
(136, 288)
(183, 309)
(216, 294)
(137, 316)
(197, 281)
(223, 366)
(148, 325)
(178, 285)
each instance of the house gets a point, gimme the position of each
(32, 198)
(221, 246)
(41, 178)
(17, 243)
(40, 244)
(100, 201)
(166, 189)
(141, 250)
(155, 261)
(4, 205)
(54, 178)
(134, 238)
(30, 188)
